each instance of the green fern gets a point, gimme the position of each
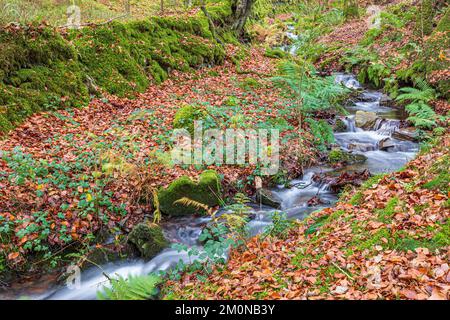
(420, 113)
(132, 288)
(317, 93)
(414, 94)
(323, 133)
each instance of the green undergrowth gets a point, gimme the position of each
(389, 72)
(41, 69)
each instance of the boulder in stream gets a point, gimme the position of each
(267, 197)
(386, 143)
(205, 191)
(338, 183)
(406, 134)
(148, 239)
(385, 100)
(340, 156)
(365, 119)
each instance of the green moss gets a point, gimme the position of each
(441, 182)
(250, 83)
(185, 117)
(356, 199)
(442, 238)
(340, 156)
(372, 240)
(42, 70)
(275, 53)
(386, 214)
(206, 191)
(372, 181)
(148, 239)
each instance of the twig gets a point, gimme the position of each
(343, 271)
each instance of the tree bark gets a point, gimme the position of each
(241, 11)
(211, 25)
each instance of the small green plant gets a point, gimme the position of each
(420, 113)
(132, 288)
(323, 133)
(279, 227)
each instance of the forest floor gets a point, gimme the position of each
(50, 161)
(389, 239)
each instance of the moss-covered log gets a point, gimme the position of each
(42, 69)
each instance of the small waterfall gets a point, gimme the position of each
(387, 127)
(350, 123)
(348, 81)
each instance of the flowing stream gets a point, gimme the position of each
(382, 157)
(294, 199)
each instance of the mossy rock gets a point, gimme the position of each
(206, 191)
(340, 126)
(185, 117)
(275, 53)
(148, 239)
(340, 156)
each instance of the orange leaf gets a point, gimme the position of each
(13, 256)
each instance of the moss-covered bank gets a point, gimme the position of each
(42, 69)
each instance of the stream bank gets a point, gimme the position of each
(294, 200)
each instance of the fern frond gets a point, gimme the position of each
(197, 205)
(133, 288)
(414, 94)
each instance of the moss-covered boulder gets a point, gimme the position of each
(185, 117)
(148, 239)
(340, 126)
(276, 53)
(267, 197)
(207, 191)
(340, 156)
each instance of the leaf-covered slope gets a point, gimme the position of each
(388, 240)
(42, 69)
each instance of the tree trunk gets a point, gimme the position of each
(241, 11)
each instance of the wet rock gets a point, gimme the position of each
(340, 126)
(267, 197)
(340, 156)
(362, 147)
(385, 144)
(365, 119)
(406, 134)
(206, 191)
(148, 239)
(385, 100)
